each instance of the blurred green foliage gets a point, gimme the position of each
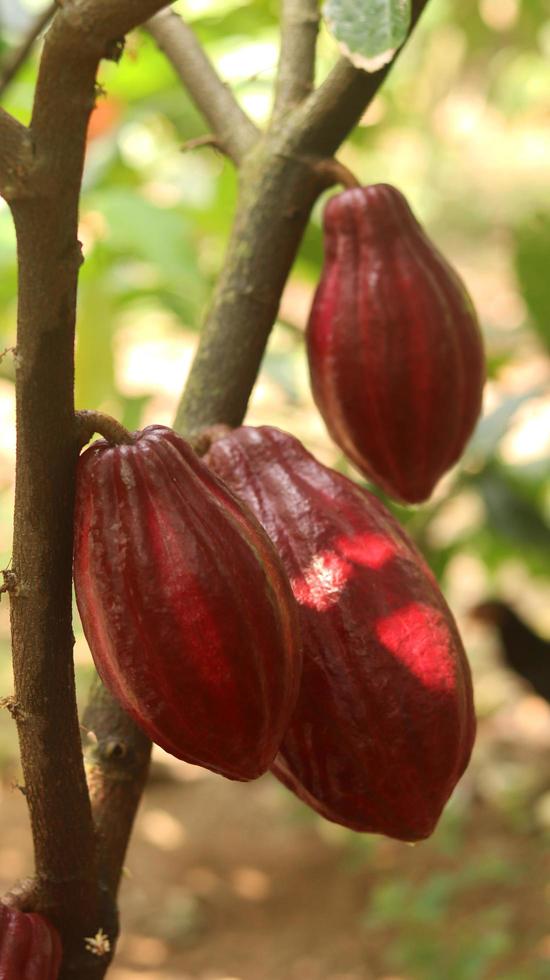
(428, 950)
(532, 259)
(462, 127)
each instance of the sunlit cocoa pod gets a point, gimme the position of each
(384, 724)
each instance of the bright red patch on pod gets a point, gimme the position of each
(394, 347)
(384, 723)
(185, 605)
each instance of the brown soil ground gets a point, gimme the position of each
(229, 881)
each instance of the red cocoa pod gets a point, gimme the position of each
(385, 722)
(30, 947)
(394, 347)
(185, 605)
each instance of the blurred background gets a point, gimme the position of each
(242, 882)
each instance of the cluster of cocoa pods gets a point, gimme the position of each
(256, 610)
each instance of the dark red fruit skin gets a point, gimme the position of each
(394, 347)
(185, 605)
(384, 724)
(30, 947)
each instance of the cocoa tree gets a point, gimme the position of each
(81, 817)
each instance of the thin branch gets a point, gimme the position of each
(296, 71)
(234, 130)
(324, 120)
(200, 142)
(332, 111)
(16, 156)
(46, 218)
(18, 57)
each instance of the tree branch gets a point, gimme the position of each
(279, 185)
(296, 70)
(276, 197)
(16, 156)
(324, 120)
(117, 763)
(234, 130)
(46, 214)
(18, 57)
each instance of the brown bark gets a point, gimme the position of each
(296, 71)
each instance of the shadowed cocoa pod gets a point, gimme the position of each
(395, 352)
(30, 947)
(185, 605)
(385, 723)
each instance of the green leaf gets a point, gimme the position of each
(368, 31)
(508, 514)
(532, 258)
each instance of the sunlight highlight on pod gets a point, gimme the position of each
(411, 633)
(326, 576)
(369, 550)
(323, 581)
